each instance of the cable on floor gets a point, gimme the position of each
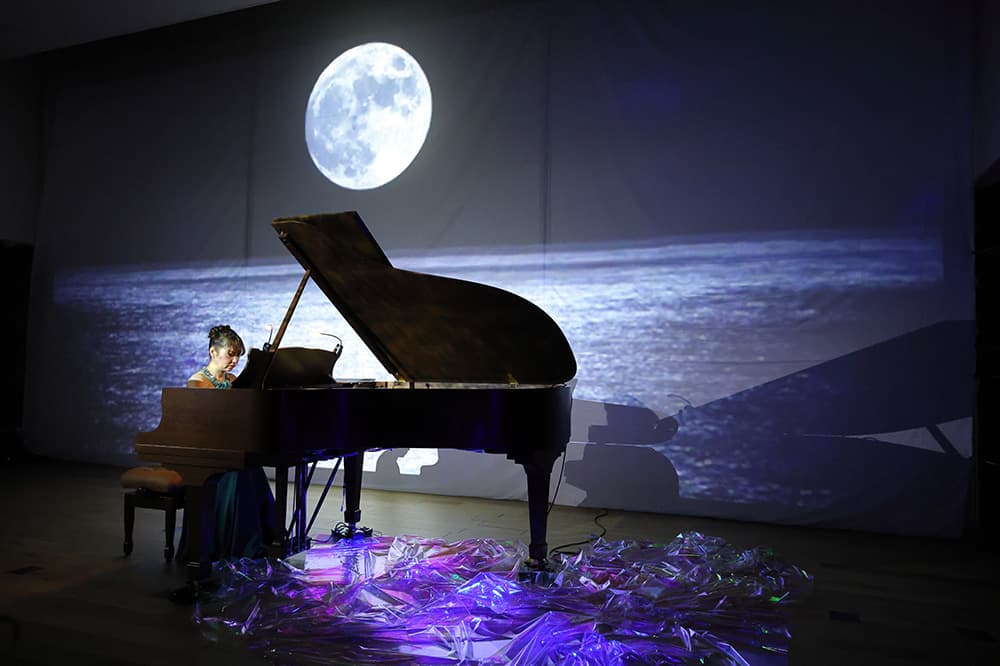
(594, 537)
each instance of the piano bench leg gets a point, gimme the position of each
(170, 525)
(169, 503)
(129, 523)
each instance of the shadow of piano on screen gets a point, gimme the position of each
(619, 468)
(877, 439)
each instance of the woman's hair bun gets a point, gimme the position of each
(219, 331)
(224, 336)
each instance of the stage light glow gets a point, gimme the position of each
(368, 116)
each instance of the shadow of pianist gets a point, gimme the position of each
(620, 466)
(242, 515)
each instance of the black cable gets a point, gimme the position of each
(604, 530)
(562, 468)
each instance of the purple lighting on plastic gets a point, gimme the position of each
(409, 600)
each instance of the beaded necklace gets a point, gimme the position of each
(215, 382)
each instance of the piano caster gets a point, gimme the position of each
(352, 531)
(536, 572)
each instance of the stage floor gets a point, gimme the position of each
(69, 596)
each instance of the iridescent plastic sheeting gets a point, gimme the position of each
(410, 600)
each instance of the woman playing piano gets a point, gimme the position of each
(244, 503)
(224, 350)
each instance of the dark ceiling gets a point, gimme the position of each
(28, 27)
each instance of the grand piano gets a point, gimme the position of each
(476, 368)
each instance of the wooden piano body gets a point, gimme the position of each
(477, 368)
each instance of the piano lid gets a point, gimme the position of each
(426, 328)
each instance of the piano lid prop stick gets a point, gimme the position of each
(291, 309)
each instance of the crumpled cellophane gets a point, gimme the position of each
(410, 600)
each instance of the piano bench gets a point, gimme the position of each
(153, 488)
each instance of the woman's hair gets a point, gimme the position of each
(223, 337)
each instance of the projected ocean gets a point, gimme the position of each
(664, 327)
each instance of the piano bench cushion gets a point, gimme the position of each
(157, 479)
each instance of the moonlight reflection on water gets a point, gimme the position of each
(659, 326)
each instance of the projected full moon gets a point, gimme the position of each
(368, 116)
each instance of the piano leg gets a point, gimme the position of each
(279, 542)
(198, 540)
(300, 539)
(538, 472)
(353, 467)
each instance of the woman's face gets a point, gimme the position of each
(226, 357)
